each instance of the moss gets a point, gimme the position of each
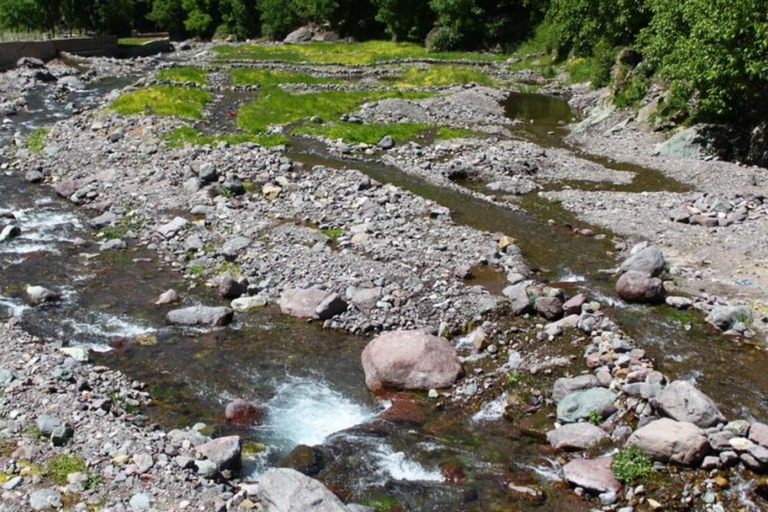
(383, 504)
(195, 270)
(251, 448)
(230, 268)
(250, 76)
(436, 76)
(36, 139)
(187, 134)
(163, 100)
(365, 133)
(183, 74)
(333, 233)
(62, 465)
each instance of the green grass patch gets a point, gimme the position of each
(36, 139)
(446, 133)
(333, 233)
(136, 41)
(368, 52)
(276, 106)
(121, 229)
(62, 465)
(631, 465)
(383, 504)
(183, 74)
(437, 76)
(365, 133)
(250, 76)
(163, 100)
(188, 135)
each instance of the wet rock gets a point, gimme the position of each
(564, 386)
(550, 308)
(387, 142)
(231, 288)
(640, 287)
(287, 490)
(30, 63)
(311, 303)
(592, 474)
(582, 404)
(667, 440)
(45, 499)
(9, 232)
(649, 260)
(201, 315)
(39, 295)
(168, 297)
(525, 493)
(404, 411)
(245, 304)
(305, 459)
(681, 401)
(170, 229)
(411, 360)
(225, 452)
(244, 413)
(577, 436)
(725, 317)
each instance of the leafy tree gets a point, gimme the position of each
(405, 20)
(115, 16)
(458, 22)
(21, 15)
(279, 17)
(168, 15)
(202, 17)
(239, 18)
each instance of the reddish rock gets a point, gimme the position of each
(758, 433)
(671, 441)
(404, 410)
(592, 474)
(640, 287)
(573, 305)
(243, 413)
(453, 472)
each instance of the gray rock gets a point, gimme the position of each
(582, 404)
(300, 35)
(12, 483)
(331, 306)
(687, 143)
(47, 424)
(640, 287)
(61, 435)
(592, 474)
(681, 401)
(245, 304)
(34, 177)
(6, 377)
(667, 440)
(231, 288)
(365, 299)
(233, 247)
(234, 184)
(105, 219)
(201, 315)
(287, 490)
(113, 245)
(208, 173)
(206, 468)
(225, 452)
(171, 228)
(143, 462)
(550, 308)
(649, 260)
(564, 386)
(679, 302)
(387, 142)
(519, 301)
(725, 317)
(310, 303)
(168, 297)
(140, 502)
(577, 436)
(45, 499)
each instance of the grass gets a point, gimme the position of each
(344, 53)
(230, 268)
(365, 133)
(250, 76)
(631, 465)
(163, 100)
(333, 233)
(581, 69)
(136, 41)
(437, 76)
(276, 106)
(188, 135)
(446, 133)
(121, 229)
(36, 139)
(62, 465)
(183, 74)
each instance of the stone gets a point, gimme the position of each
(573, 305)
(168, 297)
(667, 440)
(171, 228)
(330, 307)
(758, 433)
(231, 288)
(387, 142)
(311, 303)
(271, 191)
(140, 502)
(305, 459)
(410, 360)
(61, 435)
(105, 219)
(679, 302)
(583, 404)
(519, 300)
(208, 173)
(640, 287)
(47, 424)
(681, 401)
(244, 413)
(45, 499)
(300, 35)
(206, 468)
(235, 246)
(143, 462)
(725, 317)
(592, 474)
(113, 245)
(550, 308)
(39, 295)
(225, 452)
(649, 260)
(9, 232)
(201, 315)
(287, 490)
(6, 377)
(79, 354)
(565, 386)
(577, 436)
(365, 299)
(245, 304)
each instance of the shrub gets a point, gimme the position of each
(631, 464)
(442, 39)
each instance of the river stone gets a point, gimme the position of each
(565, 386)
(45, 499)
(235, 246)
(231, 288)
(573, 305)
(667, 440)
(681, 401)
(47, 424)
(245, 304)
(105, 219)
(307, 460)
(592, 474)
(206, 468)
(171, 228)
(225, 452)
(140, 502)
(9, 232)
(577, 436)
(287, 490)
(679, 302)
(310, 303)
(79, 354)
(649, 260)
(244, 413)
(758, 433)
(38, 295)
(412, 360)
(519, 301)
(331, 306)
(640, 287)
(168, 297)
(113, 245)
(581, 404)
(725, 317)
(201, 315)
(365, 299)
(550, 308)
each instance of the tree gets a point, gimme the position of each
(115, 16)
(202, 17)
(239, 18)
(279, 17)
(405, 20)
(21, 15)
(168, 15)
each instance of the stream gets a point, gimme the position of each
(310, 380)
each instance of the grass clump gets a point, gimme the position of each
(163, 100)
(333, 233)
(188, 135)
(183, 74)
(121, 229)
(250, 76)
(445, 133)
(136, 41)
(275, 106)
(365, 133)
(36, 139)
(437, 76)
(631, 464)
(62, 465)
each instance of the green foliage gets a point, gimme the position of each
(716, 51)
(62, 465)
(405, 20)
(595, 418)
(194, 270)
(120, 230)
(365, 133)
(515, 379)
(163, 100)
(279, 17)
(239, 18)
(446, 133)
(252, 76)
(187, 134)
(630, 465)
(333, 233)
(168, 15)
(383, 504)
(275, 106)
(21, 15)
(441, 76)
(36, 139)
(183, 74)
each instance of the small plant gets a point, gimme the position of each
(515, 379)
(333, 233)
(595, 418)
(121, 229)
(62, 465)
(195, 270)
(36, 140)
(225, 192)
(230, 268)
(631, 464)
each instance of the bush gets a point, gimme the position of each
(442, 39)
(405, 20)
(631, 464)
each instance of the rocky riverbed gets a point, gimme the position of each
(465, 338)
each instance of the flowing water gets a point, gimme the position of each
(309, 380)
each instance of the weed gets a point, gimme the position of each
(230, 268)
(595, 418)
(225, 192)
(631, 464)
(333, 233)
(36, 139)
(195, 270)
(183, 74)
(163, 100)
(515, 379)
(120, 230)
(62, 465)
(384, 504)
(445, 133)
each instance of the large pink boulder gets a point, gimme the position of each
(410, 360)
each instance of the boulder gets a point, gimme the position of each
(300, 35)
(758, 433)
(201, 315)
(231, 288)
(233, 247)
(311, 303)
(667, 440)
(225, 452)
(519, 301)
(577, 436)
(592, 474)
(725, 317)
(573, 305)
(307, 460)
(411, 360)
(636, 286)
(167, 297)
(287, 490)
(39, 295)
(649, 260)
(550, 308)
(244, 413)
(245, 304)
(564, 386)
(9, 232)
(583, 404)
(45, 499)
(170, 229)
(681, 401)
(365, 299)
(387, 142)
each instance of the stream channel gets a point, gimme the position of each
(310, 380)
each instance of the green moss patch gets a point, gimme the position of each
(188, 135)
(163, 100)
(183, 74)
(438, 76)
(250, 76)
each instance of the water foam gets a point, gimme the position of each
(491, 411)
(104, 325)
(397, 466)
